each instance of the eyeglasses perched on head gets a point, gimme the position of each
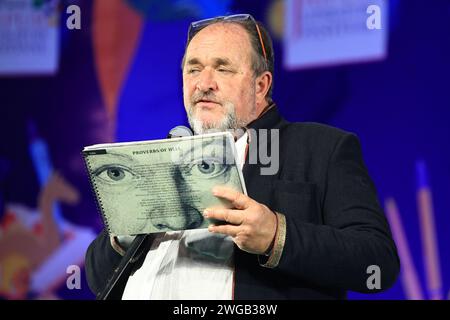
(196, 26)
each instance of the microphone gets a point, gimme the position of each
(180, 131)
(139, 243)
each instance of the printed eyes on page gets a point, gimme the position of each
(115, 175)
(205, 168)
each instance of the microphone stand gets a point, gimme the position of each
(130, 257)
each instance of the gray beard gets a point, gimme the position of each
(229, 121)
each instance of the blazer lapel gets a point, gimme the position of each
(259, 186)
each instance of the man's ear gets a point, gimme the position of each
(262, 83)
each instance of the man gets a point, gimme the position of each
(308, 231)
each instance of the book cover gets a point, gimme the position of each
(162, 185)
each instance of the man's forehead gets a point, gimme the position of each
(219, 35)
(223, 28)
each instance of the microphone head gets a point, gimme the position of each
(180, 131)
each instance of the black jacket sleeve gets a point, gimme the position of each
(354, 234)
(101, 259)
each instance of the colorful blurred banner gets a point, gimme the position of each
(36, 250)
(116, 35)
(321, 33)
(430, 247)
(29, 37)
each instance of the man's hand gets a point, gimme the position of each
(252, 225)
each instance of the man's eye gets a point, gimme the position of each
(222, 70)
(114, 174)
(191, 71)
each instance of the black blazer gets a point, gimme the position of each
(336, 228)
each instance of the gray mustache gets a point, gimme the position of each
(204, 96)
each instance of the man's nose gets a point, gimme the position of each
(206, 81)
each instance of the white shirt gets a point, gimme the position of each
(187, 265)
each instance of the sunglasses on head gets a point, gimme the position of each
(196, 26)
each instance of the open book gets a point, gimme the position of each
(161, 185)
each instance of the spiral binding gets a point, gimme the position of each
(94, 189)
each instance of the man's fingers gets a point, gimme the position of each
(227, 229)
(231, 216)
(237, 199)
